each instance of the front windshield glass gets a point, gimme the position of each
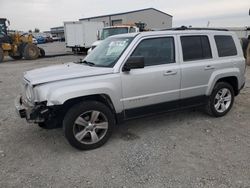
(113, 31)
(108, 52)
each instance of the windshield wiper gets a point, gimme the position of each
(86, 62)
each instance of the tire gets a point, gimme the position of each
(91, 121)
(42, 52)
(1, 55)
(221, 100)
(30, 52)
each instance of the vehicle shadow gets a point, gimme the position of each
(131, 130)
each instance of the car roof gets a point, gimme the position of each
(174, 32)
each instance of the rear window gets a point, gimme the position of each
(195, 48)
(225, 46)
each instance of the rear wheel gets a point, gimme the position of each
(1, 55)
(221, 100)
(30, 52)
(88, 125)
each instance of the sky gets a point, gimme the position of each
(44, 14)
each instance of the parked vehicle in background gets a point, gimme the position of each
(113, 30)
(55, 38)
(40, 40)
(134, 75)
(15, 44)
(80, 35)
(49, 39)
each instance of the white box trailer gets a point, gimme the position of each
(80, 35)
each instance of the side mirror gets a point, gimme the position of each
(136, 62)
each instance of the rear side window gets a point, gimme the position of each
(195, 48)
(156, 51)
(225, 46)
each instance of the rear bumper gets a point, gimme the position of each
(33, 114)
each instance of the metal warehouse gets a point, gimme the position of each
(153, 18)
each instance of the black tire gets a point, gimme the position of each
(30, 51)
(1, 55)
(42, 52)
(210, 108)
(79, 110)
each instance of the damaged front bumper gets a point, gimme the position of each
(33, 114)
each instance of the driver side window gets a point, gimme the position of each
(156, 51)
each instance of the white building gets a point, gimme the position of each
(153, 18)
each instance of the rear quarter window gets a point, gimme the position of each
(225, 45)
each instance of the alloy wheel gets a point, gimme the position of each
(90, 127)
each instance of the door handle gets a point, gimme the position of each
(170, 72)
(209, 67)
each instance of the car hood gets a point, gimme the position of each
(63, 72)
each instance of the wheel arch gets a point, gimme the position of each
(103, 98)
(232, 80)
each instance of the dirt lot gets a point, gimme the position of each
(180, 149)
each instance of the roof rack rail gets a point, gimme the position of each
(194, 28)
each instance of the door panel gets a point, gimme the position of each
(159, 81)
(197, 65)
(195, 78)
(150, 85)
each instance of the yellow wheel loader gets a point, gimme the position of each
(16, 45)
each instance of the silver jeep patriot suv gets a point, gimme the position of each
(133, 75)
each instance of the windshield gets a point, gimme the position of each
(108, 52)
(113, 31)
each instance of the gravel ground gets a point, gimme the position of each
(180, 149)
(55, 48)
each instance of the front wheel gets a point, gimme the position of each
(88, 125)
(221, 100)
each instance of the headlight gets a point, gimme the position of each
(29, 93)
